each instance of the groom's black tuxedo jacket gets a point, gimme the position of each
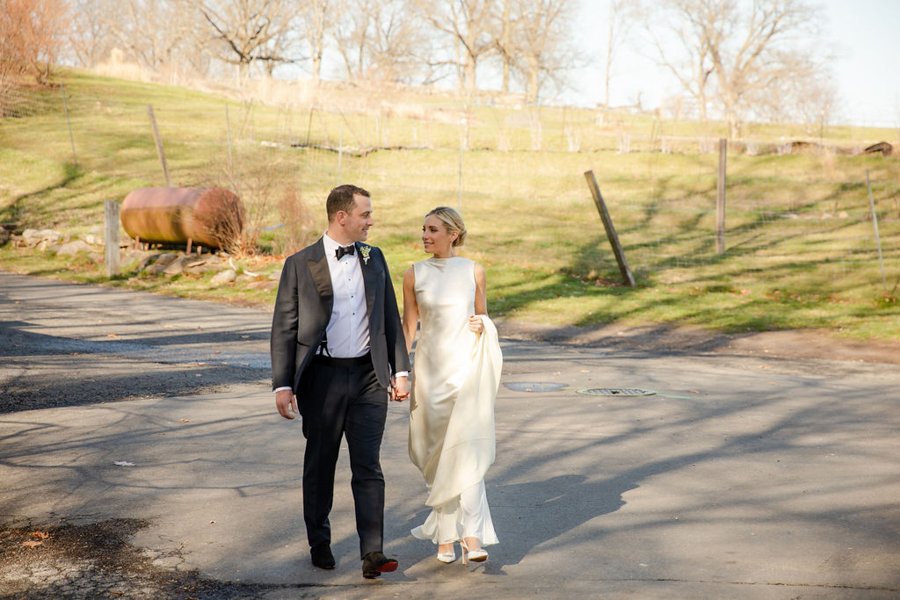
(303, 309)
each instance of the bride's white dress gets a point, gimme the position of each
(451, 426)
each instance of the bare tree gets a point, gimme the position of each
(377, 40)
(544, 51)
(505, 43)
(753, 49)
(467, 24)
(31, 33)
(90, 31)
(318, 20)
(682, 24)
(398, 43)
(12, 64)
(620, 18)
(155, 34)
(250, 31)
(808, 95)
(353, 33)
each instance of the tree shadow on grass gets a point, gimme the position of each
(15, 211)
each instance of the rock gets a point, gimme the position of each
(93, 240)
(166, 258)
(30, 237)
(146, 260)
(73, 248)
(195, 265)
(160, 264)
(176, 267)
(226, 276)
(33, 237)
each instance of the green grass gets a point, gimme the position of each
(800, 244)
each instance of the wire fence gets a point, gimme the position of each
(792, 204)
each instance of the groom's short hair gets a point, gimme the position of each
(341, 198)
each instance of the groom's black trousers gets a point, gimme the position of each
(342, 397)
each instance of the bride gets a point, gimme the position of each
(457, 373)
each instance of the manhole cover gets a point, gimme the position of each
(538, 386)
(616, 392)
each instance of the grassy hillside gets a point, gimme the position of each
(801, 250)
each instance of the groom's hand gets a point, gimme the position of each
(400, 388)
(286, 403)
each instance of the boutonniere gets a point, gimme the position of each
(364, 252)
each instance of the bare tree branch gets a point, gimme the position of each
(544, 48)
(752, 49)
(466, 24)
(251, 31)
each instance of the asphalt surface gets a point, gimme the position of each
(138, 434)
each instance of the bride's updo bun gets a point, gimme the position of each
(451, 218)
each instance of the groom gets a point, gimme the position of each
(337, 346)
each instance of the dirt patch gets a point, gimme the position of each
(670, 339)
(97, 561)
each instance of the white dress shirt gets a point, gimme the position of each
(347, 333)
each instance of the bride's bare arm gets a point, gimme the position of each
(475, 323)
(410, 308)
(480, 291)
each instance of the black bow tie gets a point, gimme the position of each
(342, 250)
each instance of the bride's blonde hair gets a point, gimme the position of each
(452, 220)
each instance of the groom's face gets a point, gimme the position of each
(359, 219)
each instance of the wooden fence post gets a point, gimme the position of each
(111, 214)
(69, 124)
(720, 198)
(610, 230)
(875, 225)
(159, 145)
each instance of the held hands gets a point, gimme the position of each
(399, 388)
(286, 403)
(476, 324)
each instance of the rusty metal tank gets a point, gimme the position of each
(213, 217)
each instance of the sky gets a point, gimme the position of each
(862, 34)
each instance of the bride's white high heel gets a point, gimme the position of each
(475, 555)
(448, 557)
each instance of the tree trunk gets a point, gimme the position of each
(734, 126)
(471, 68)
(531, 94)
(610, 43)
(704, 116)
(505, 49)
(317, 66)
(506, 70)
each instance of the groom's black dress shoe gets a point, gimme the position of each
(376, 563)
(322, 556)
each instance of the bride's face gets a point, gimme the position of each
(435, 237)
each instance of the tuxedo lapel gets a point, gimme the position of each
(370, 279)
(321, 275)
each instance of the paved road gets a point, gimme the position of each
(740, 477)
